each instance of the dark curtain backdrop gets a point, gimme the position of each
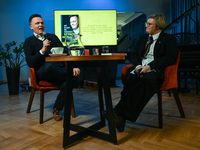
(187, 29)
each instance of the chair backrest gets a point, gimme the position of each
(34, 83)
(170, 77)
(41, 85)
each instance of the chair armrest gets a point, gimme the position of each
(125, 71)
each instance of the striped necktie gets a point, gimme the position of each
(147, 46)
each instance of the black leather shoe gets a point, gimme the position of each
(119, 121)
(116, 118)
(120, 127)
(104, 113)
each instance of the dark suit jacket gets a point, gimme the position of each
(165, 53)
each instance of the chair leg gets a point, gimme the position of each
(197, 86)
(178, 102)
(160, 115)
(41, 106)
(169, 92)
(72, 107)
(30, 100)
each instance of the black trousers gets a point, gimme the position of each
(136, 93)
(55, 72)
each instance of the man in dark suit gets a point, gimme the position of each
(151, 55)
(36, 48)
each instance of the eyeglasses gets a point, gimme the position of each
(72, 21)
(148, 24)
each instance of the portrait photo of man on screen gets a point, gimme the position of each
(70, 28)
(74, 22)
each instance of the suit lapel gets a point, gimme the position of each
(158, 43)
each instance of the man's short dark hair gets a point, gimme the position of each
(33, 16)
(73, 16)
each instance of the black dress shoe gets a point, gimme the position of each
(115, 115)
(120, 127)
(119, 121)
(104, 113)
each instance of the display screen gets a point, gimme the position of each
(95, 27)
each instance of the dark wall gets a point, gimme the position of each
(135, 28)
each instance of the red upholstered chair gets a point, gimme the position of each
(43, 86)
(170, 83)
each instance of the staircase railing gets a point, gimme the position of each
(185, 37)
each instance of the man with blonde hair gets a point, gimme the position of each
(151, 55)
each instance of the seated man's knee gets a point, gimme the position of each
(150, 77)
(131, 80)
(49, 67)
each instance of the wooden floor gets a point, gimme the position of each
(22, 131)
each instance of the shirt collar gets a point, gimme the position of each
(155, 36)
(42, 38)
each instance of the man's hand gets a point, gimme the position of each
(76, 71)
(46, 43)
(145, 69)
